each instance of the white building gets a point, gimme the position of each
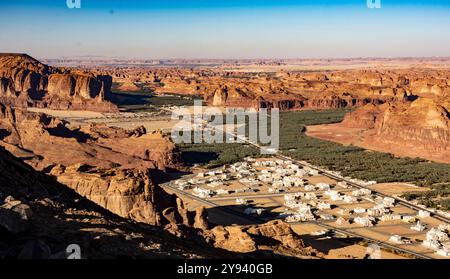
(326, 217)
(343, 211)
(293, 196)
(397, 239)
(333, 195)
(250, 210)
(444, 228)
(437, 234)
(423, 214)
(409, 219)
(390, 217)
(203, 193)
(320, 233)
(431, 244)
(310, 196)
(242, 201)
(359, 210)
(364, 221)
(222, 192)
(376, 212)
(214, 184)
(350, 199)
(323, 205)
(361, 192)
(302, 215)
(323, 186)
(388, 202)
(343, 184)
(418, 227)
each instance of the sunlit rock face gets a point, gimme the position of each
(423, 123)
(25, 82)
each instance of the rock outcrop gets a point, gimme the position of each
(288, 90)
(422, 122)
(110, 166)
(38, 208)
(25, 82)
(275, 236)
(419, 128)
(40, 218)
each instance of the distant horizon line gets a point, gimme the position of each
(242, 59)
(227, 59)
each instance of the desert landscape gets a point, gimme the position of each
(118, 154)
(89, 158)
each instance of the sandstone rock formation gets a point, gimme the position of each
(43, 209)
(419, 128)
(110, 166)
(422, 123)
(289, 90)
(25, 82)
(118, 170)
(40, 218)
(275, 236)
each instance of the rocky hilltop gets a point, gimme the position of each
(25, 82)
(40, 218)
(419, 128)
(119, 171)
(109, 166)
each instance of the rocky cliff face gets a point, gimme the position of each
(291, 90)
(423, 123)
(110, 166)
(25, 82)
(40, 218)
(117, 170)
(261, 237)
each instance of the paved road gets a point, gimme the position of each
(332, 176)
(351, 183)
(257, 220)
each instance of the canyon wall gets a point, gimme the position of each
(26, 82)
(119, 170)
(422, 122)
(287, 90)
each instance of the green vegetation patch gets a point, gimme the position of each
(437, 197)
(148, 102)
(350, 160)
(215, 155)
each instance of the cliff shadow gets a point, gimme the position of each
(234, 215)
(4, 133)
(191, 158)
(326, 243)
(64, 132)
(129, 99)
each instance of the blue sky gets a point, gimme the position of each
(226, 29)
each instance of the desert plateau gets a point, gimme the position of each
(265, 131)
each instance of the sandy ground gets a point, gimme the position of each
(397, 188)
(324, 65)
(123, 120)
(68, 113)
